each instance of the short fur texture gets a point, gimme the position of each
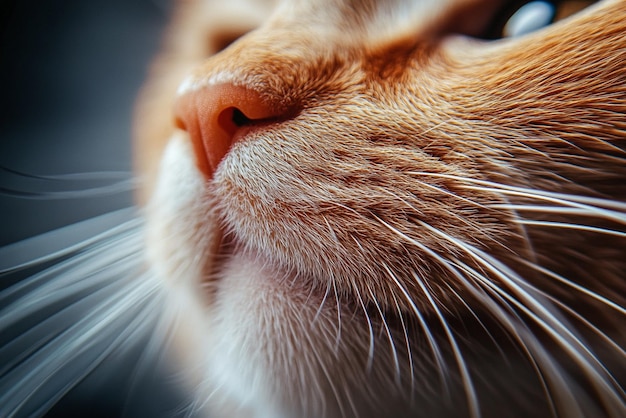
(436, 229)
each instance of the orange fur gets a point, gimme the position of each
(423, 177)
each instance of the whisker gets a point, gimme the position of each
(321, 306)
(86, 176)
(461, 219)
(578, 227)
(538, 312)
(43, 300)
(370, 356)
(434, 347)
(534, 351)
(583, 320)
(65, 186)
(87, 307)
(113, 321)
(109, 189)
(470, 391)
(70, 277)
(543, 317)
(559, 198)
(472, 398)
(478, 320)
(407, 345)
(559, 210)
(575, 286)
(604, 208)
(65, 241)
(510, 278)
(503, 319)
(438, 189)
(394, 351)
(338, 337)
(197, 405)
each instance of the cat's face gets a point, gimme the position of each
(363, 212)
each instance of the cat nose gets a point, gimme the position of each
(216, 116)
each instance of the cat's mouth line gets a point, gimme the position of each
(218, 253)
(225, 247)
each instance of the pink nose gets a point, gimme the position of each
(216, 116)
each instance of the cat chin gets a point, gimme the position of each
(252, 303)
(221, 343)
(267, 342)
(220, 300)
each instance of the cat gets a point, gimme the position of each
(361, 209)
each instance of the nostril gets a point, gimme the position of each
(239, 118)
(231, 119)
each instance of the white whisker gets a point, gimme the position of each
(197, 405)
(437, 189)
(576, 286)
(434, 347)
(92, 304)
(370, 356)
(537, 311)
(583, 320)
(470, 391)
(106, 327)
(566, 200)
(602, 208)
(544, 317)
(534, 351)
(477, 318)
(67, 240)
(573, 226)
(559, 210)
(394, 351)
(321, 305)
(338, 337)
(407, 345)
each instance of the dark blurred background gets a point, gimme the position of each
(70, 71)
